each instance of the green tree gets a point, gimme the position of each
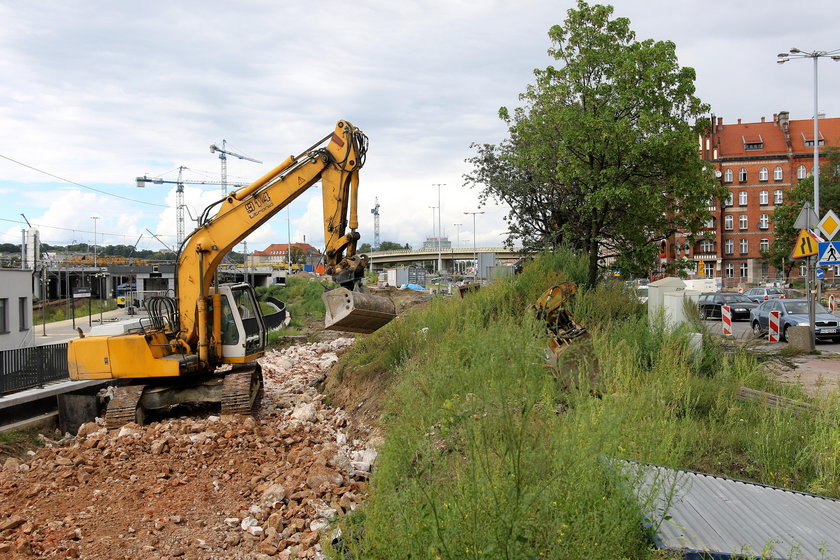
(365, 248)
(784, 216)
(602, 156)
(297, 255)
(390, 246)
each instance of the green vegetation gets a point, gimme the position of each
(59, 312)
(491, 453)
(603, 154)
(302, 298)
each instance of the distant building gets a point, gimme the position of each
(276, 253)
(431, 244)
(759, 163)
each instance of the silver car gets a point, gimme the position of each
(793, 312)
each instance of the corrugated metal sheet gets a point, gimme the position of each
(708, 516)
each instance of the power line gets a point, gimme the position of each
(123, 235)
(83, 186)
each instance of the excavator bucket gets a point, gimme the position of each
(356, 311)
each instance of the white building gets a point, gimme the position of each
(15, 308)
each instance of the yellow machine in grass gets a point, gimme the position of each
(185, 339)
(561, 326)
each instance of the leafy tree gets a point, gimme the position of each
(364, 248)
(784, 216)
(601, 157)
(297, 255)
(390, 246)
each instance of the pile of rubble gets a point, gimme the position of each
(215, 487)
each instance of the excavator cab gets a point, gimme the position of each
(243, 331)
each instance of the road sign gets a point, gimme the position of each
(829, 254)
(807, 218)
(820, 274)
(806, 245)
(830, 224)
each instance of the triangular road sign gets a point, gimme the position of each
(806, 245)
(807, 218)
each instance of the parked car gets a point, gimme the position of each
(710, 305)
(793, 312)
(763, 294)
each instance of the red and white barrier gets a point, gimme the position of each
(726, 317)
(831, 305)
(740, 290)
(773, 330)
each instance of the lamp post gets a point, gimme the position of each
(458, 234)
(433, 208)
(440, 226)
(94, 218)
(475, 253)
(816, 56)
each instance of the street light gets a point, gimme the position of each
(475, 254)
(440, 227)
(433, 208)
(458, 234)
(815, 55)
(94, 218)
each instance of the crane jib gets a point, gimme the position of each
(258, 204)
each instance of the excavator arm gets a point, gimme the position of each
(336, 166)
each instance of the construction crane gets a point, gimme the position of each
(179, 197)
(375, 212)
(223, 153)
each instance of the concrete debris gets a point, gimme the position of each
(217, 487)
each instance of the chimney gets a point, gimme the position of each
(739, 121)
(720, 121)
(762, 119)
(775, 119)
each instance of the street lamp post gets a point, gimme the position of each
(440, 227)
(458, 234)
(816, 56)
(94, 218)
(475, 253)
(433, 208)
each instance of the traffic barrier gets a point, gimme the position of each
(740, 290)
(831, 303)
(726, 317)
(773, 330)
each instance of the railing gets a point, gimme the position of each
(24, 368)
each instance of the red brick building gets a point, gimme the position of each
(759, 162)
(276, 253)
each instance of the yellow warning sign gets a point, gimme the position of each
(806, 245)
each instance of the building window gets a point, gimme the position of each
(730, 200)
(777, 173)
(728, 222)
(742, 198)
(764, 245)
(801, 172)
(707, 246)
(762, 174)
(742, 221)
(743, 270)
(764, 221)
(765, 270)
(744, 246)
(764, 197)
(730, 247)
(727, 176)
(4, 315)
(709, 269)
(778, 197)
(742, 175)
(22, 313)
(730, 270)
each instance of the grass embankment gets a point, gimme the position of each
(59, 311)
(303, 303)
(489, 453)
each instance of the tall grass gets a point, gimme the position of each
(302, 298)
(490, 453)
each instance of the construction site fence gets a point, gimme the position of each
(25, 368)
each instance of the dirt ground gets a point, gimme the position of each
(203, 486)
(818, 375)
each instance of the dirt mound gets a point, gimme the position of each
(215, 487)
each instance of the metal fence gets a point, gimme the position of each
(24, 368)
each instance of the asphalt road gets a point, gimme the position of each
(741, 330)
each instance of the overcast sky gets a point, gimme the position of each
(99, 92)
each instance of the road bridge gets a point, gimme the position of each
(386, 258)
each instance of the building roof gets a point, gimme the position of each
(710, 516)
(733, 140)
(282, 248)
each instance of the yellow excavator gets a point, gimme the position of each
(174, 355)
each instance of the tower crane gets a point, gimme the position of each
(179, 197)
(223, 153)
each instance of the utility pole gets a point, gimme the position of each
(223, 153)
(94, 218)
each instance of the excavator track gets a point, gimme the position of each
(124, 408)
(242, 391)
